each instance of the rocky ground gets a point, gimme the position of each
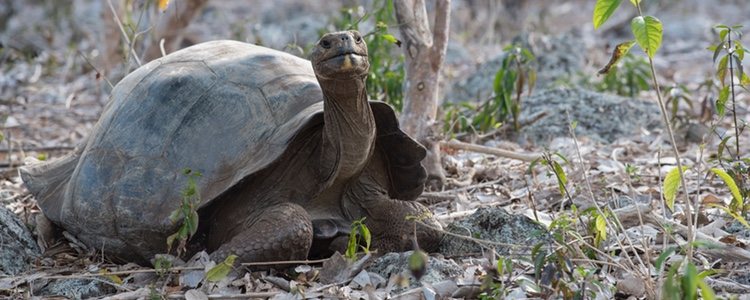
(53, 87)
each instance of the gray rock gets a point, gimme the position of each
(601, 117)
(495, 225)
(438, 269)
(17, 247)
(557, 59)
(73, 288)
(478, 86)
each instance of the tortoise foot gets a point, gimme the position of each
(281, 232)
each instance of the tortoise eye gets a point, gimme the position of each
(358, 39)
(325, 44)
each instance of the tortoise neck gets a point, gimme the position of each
(348, 130)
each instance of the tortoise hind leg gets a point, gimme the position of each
(279, 232)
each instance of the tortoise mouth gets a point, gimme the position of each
(342, 54)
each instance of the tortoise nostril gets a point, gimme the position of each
(345, 38)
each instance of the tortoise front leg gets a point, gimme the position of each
(392, 224)
(278, 233)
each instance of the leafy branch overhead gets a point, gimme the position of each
(647, 30)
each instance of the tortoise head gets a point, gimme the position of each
(340, 55)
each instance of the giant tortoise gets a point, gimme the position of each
(288, 149)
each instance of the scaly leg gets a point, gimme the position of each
(280, 232)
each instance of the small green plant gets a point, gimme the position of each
(154, 294)
(671, 184)
(728, 56)
(221, 270)
(674, 95)
(737, 207)
(632, 172)
(162, 265)
(385, 80)
(625, 76)
(359, 238)
(516, 74)
(597, 225)
(459, 117)
(555, 168)
(187, 213)
(552, 271)
(497, 280)
(684, 282)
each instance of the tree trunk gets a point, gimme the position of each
(425, 53)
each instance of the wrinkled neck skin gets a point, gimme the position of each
(348, 130)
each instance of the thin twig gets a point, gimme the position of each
(598, 208)
(122, 30)
(285, 262)
(528, 157)
(40, 149)
(480, 242)
(177, 269)
(263, 295)
(88, 62)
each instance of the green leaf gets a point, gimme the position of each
(717, 50)
(721, 26)
(734, 215)
(722, 101)
(351, 247)
(738, 66)
(723, 34)
(729, 181)
(600, 229)
(617, 54)
(635, 2)
(162, 264)
(671, 288)
(648, 33)
(671, 184)
(220, 271)
(603, 10)
(739, 50)
(171, 239)
(562, 180)
(721, 69)
(564, 159)
(366, 236)
(114, 278)
(533, 164)
(418, 263)
(722, 146)
(539, 259)
(707, 273)
(192, 222)
(706, 291)
(663, 256)
(392, 39)
(601, 226)
(690, 282)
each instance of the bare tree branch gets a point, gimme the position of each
(425, 53)
(440, 32)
